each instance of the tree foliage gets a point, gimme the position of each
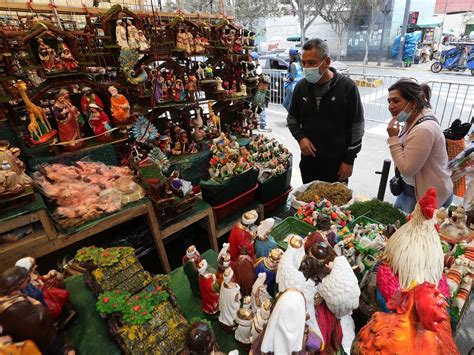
(307, 11)
(247, 12)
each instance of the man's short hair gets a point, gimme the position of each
(319, 44)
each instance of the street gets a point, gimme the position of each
(453, 97)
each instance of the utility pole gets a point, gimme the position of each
(399, 61)
(387, 9)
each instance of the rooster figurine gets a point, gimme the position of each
(413, 254)
(419, 324)
(128, 59)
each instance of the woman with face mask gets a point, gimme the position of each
(419, 148)
(293, 75)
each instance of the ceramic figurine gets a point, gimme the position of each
(143, 43)
(88, 98)
(49, 289)
(39, 127)
(198, 44)
(208, 288)
(208, 71)
(69, 121)
(229, 300)
(165, 144)
(190, 42)
(200, 339)
(121, 35)
(241, 236)
(34, 78)
(264, 242)
(181, 94)
(286, 331)
(157, 79)
(216, 120)
(119, 107)
(259, 292)
(100, 123)
(244, 323)
(13, 179)
(181, 39)
(47, 56)
(261, 319)
(191, 87)
(418, 324)
(184, 141)
(223, 262)
(21, 317)
(269, 266)
(244, 274)
(132, 32)
(190, 264)
(219, 87)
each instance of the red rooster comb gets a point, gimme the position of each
(428, 203)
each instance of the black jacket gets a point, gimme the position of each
(336, 129)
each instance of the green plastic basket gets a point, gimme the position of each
(290, 225)
(361, 220)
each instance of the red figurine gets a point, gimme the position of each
(241, 236)
(209, 289)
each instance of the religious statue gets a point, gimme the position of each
(190, 264)
(181, 40)
(244, 272)
(208, 288)
(259, 292)
(244, 321)
(229, 300)
(69, 62)
(88, 98)
(223, 262)
(132, 35)
(47, 56)
(241, 236)
(200, 339)
(119, 106)
(191, 87)
(143, 43)
(264, 242)
(190, 46)
(69, 121)
(261, 319)
(22, 317)
(199, 45)
(13, 178)
(121, 35)
(99, 122)
(269, 265)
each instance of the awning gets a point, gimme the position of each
(429, 23)
(295, 39)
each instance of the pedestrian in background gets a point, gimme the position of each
(293, 75)
(326, 117)
(262, 121)
(419, 149)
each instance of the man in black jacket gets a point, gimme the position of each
(326, 118)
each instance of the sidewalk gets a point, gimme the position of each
(389, 65)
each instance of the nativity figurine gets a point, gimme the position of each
(208, 288)
(13, 179)
(244, 324)
(121, 35)
(264, 242)
(269, 266)
(143, 43)
(69, 121)
(100, 123)
(229, 301)
(119, 107)
(190, 265)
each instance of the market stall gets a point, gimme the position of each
(146, 119)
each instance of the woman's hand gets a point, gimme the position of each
(393, 128)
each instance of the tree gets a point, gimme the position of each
(307, 11)
(247, 12)
(374, 7)
(339, 14)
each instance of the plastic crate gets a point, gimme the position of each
(235, 204)
(361, 220)
(276, 202)
(290, 225)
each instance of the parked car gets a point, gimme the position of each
(276, 65)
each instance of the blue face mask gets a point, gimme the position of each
(403, 116)
(312, 74)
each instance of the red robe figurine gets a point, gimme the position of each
(240, 237)
(209, 289)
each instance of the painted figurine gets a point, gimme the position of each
(208, 288)
(121, 35)
(199, 45)
(190, 46)
(191, 87)
(119, 107)
(47, 56)
(88, 98)
(244, 323)
(132, 35)
(269, 266)
(259, 292)
(244, 273)
(229, 300)
(13, 178)
(264, 242)
(223, 262)
(190, 264)
(143, 43)
(261, 319)
(22, 317)
(69, 120)
(181, 40)
(200, 339)
(241, 236)
(100, 123)
(286, 331)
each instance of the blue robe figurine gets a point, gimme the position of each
(269, 265)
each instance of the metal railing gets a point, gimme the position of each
(449, 100)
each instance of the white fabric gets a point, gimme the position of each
(259, 291)
(265, 227)
(285, 329)
(243, 331)
(24, 263)
(229, 303)
(258, 323)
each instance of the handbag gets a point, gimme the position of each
(396, 183)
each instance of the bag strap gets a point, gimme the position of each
(421, 120)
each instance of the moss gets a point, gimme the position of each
(382, 212)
